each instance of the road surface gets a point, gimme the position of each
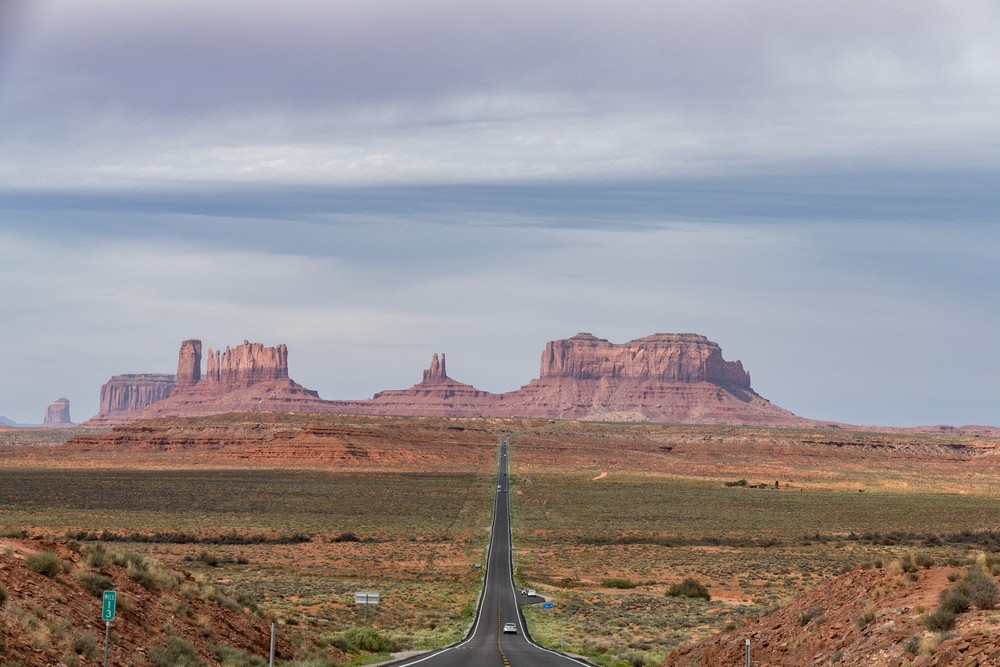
(487, 646)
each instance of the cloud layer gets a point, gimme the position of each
(812, 186)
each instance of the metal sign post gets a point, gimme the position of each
(108, 604)
(273, 632)
(366, 598)
(748, 653)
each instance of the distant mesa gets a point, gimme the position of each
(664, 377)
(57, 414)
(123, 394)
(246, 377)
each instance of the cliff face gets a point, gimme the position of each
(57, 414)
(246, 365)
(660, 357)
(124, 393)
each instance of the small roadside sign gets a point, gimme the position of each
(547, 605)
(366, 598)
(108, 607)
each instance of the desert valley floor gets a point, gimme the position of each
(211, 526)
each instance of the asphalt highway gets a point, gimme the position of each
(487, 645)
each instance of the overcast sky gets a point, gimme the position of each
(814, 186)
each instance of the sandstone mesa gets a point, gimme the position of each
(664, 377)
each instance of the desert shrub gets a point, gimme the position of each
(954, 599)
(44, 562)
(85, 644)
(618, 582)
(904, 564)
(208, 559)
(224, 600)
(309, 661)
(13, 532)
(149, 574)
(138, 572)
(912, 645)
(924, 560)
(689, 588)
(809, 615)
(980, 588)
(739, 482)
(367, 639)
(229, 656)
(940, 620)
(837, 656)
(346, 536)
(954, 576)
(247, 600)
(95, 583)
(96, 555)
(176, 652)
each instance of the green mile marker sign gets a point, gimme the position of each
(108, 608)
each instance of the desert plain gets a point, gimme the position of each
(284, 516)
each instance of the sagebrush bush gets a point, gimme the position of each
(809, 615)
(940, 620)
(689, 588)
(95, 583)
(234, 657)
(980, 588)
(176, 652)
(85, 644)
(44, 562)
(367, 639)
(618, 582)
(954, 599)
(96, 555)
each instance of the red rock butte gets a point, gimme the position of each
(663, 378)
(57, 414)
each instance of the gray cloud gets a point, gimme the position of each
(811, 185)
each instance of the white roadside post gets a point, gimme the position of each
(748, 652)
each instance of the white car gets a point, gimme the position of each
(531, 593)
(509, 629)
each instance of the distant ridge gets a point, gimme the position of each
(663, 378)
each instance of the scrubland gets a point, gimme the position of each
(607, 517)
